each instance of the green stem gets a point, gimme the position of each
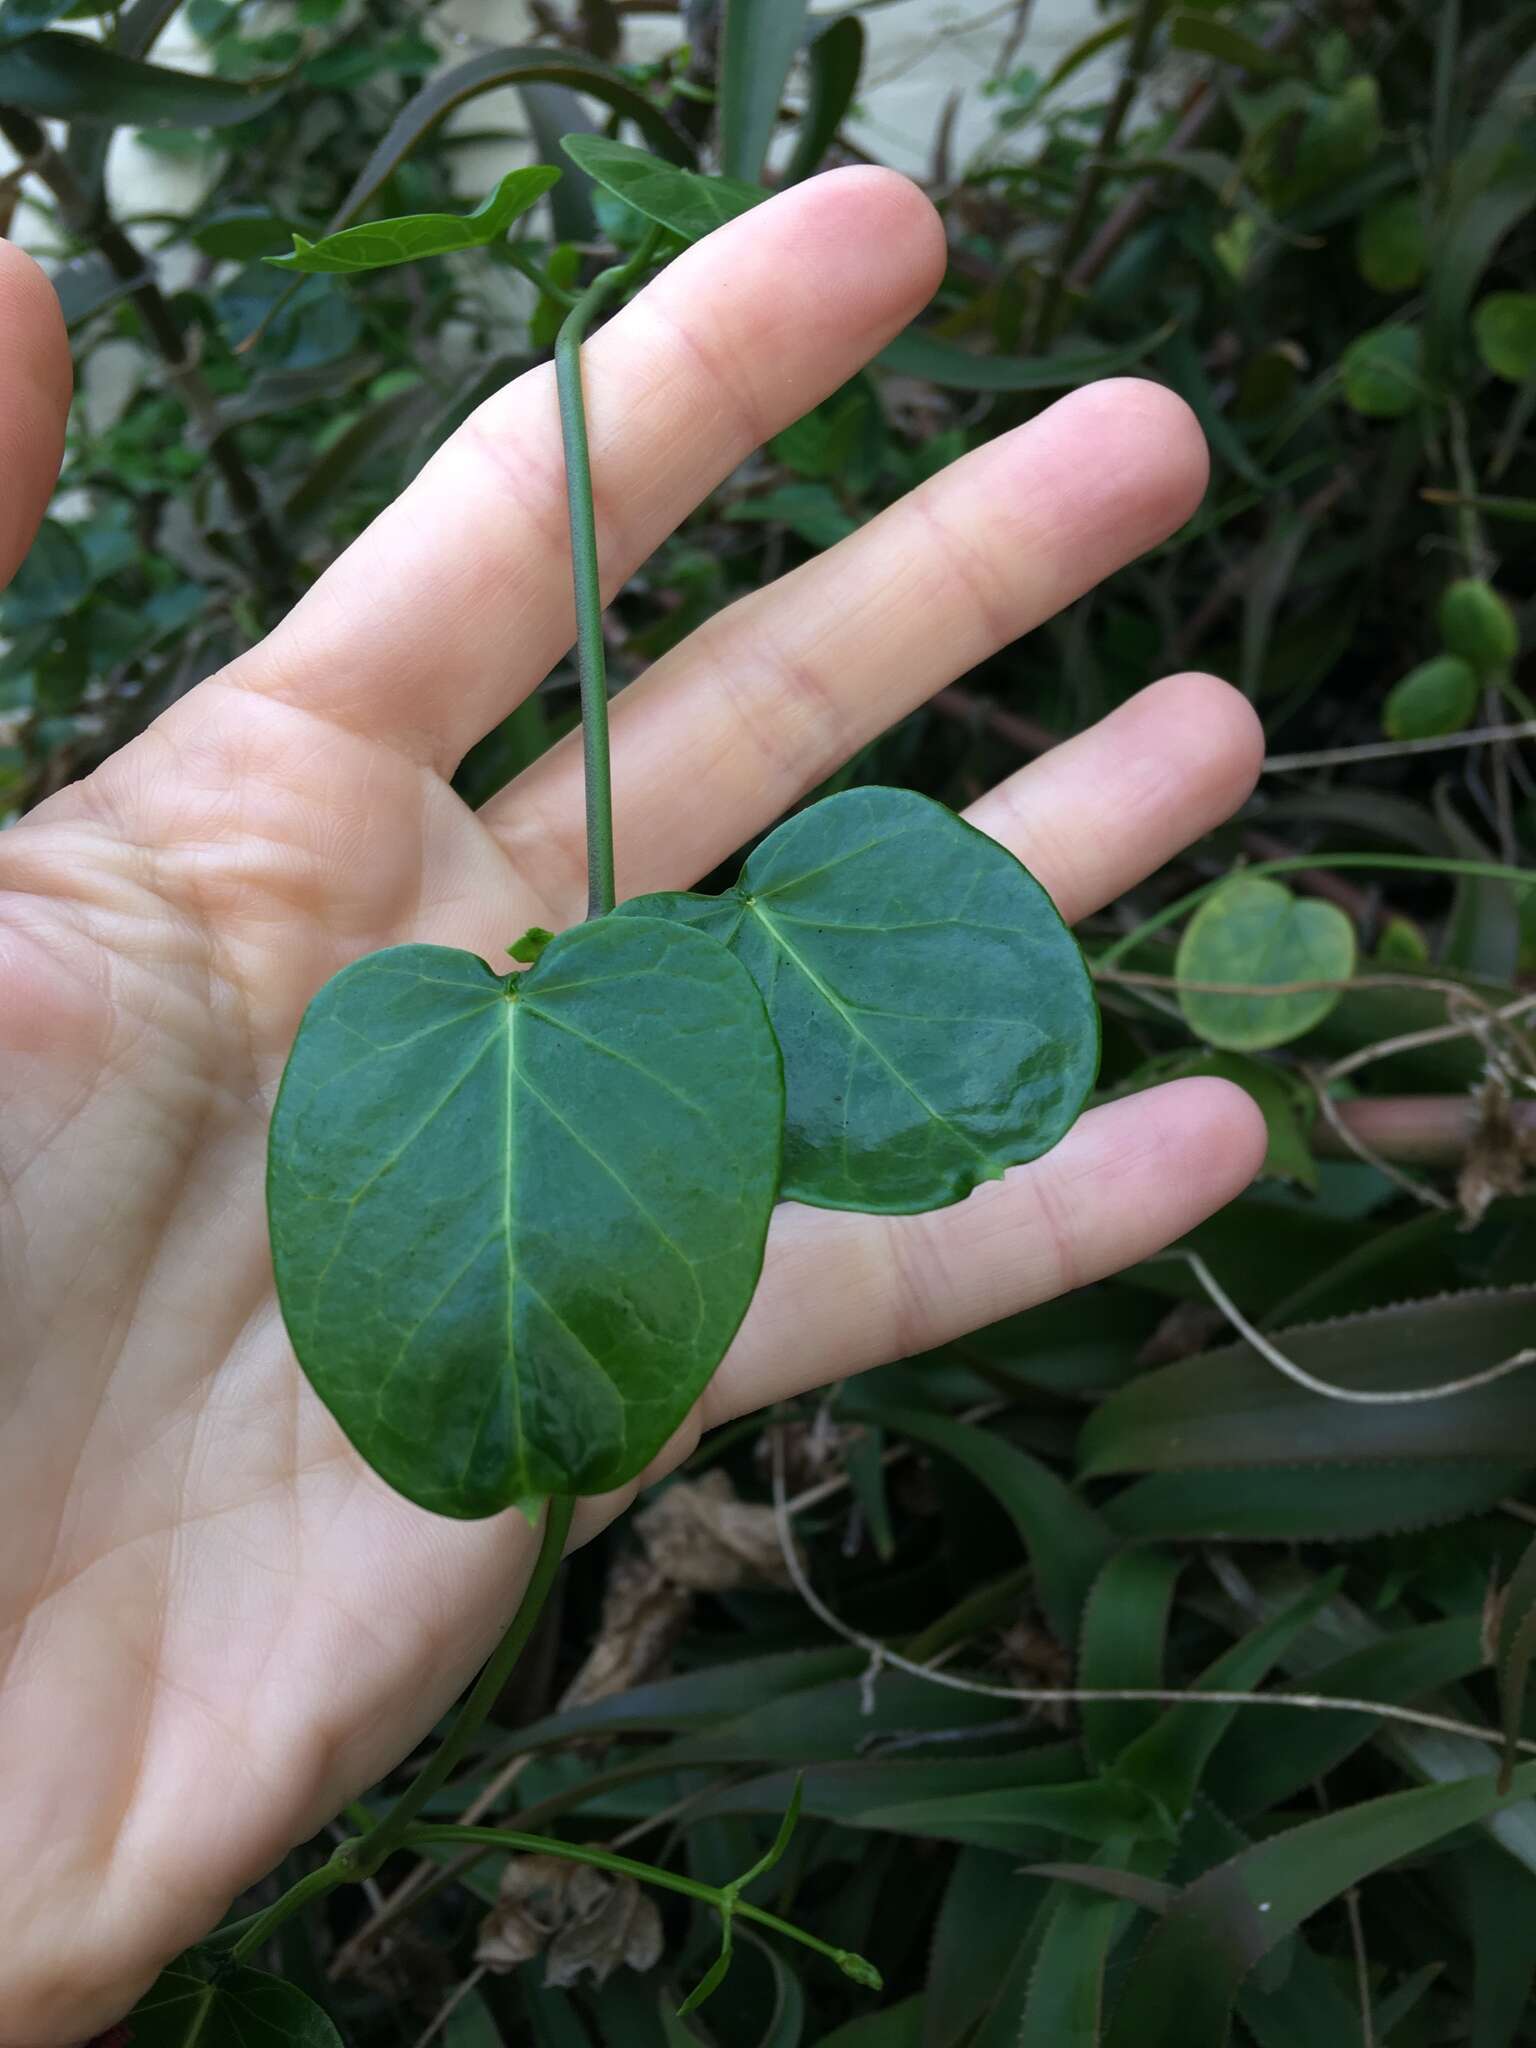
(590, 662)
(361, 1857)
(722, 1897)
(538, 277)
(1483, 870)
(1075, 233)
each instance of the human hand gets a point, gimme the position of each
(215, 1623)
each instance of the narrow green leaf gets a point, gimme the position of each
(687, 202)
(1268, 1759)
(1254, 930)
(759, 39)
(75, 78)
(1184, 1979)
(1232, 1407)
(1168, 1759)
(1297, 1504)
(22, 18)
(380, 244)
(899, 2026)
(1097, 1810)
(1125, 1625)
(1514, 1653)
(446, 90)
(835, 57)
(1209, 38)
(936, 1018)
(447, 1147)
(240, 2009)
(917, 353)
(1498, 1903)
(1066, 1988)
(1066, 1540)
(986, 1902)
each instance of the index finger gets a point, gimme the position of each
(35, 383)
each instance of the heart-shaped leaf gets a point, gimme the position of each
(1253, 932)
(688, 203)
(240, 2009)
(516, 1220)
(378, 244)
(936, 1018)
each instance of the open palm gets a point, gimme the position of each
(215, 1623)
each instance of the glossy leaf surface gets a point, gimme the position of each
(1254, 931)
(516, 1221)
(936, 1018)
(759, 39)
(377, 244)
(242, 2009)
(688, 203)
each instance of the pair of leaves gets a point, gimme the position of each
(517, 1220)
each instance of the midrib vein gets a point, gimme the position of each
(834, 1002)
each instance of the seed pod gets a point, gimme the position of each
(1477, 624)
(1437, 697)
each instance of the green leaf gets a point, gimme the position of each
(1168, 1759)
(472, 2025)
(1383, 372)
(242, 233)
(1232, 1408)
(1182, 1984)
(1253, 930)
(1125, 1626)
(1515, 1651)
(1066, 1541)
(916, 353)
(242, 2009)
(51, 582)
(835, 57)
(937, 1020)
(1294, 1504)
(974, 1939)
(759, 39)
(813, 512)
(381, 243)
(1391, 243)
(1478, 624)
(533, 65)
(1208, 38)
(1437, 697)
(1504, 328)
(22, 18)
(1096, 1810)
(516, 1221)
(1270, 1758)
(75, 78)
(688, 203)
(899, 2026)
(1500, 1911)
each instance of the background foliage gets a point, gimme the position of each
(1315, 222)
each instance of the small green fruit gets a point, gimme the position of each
(1437, 697)
(1477, 624)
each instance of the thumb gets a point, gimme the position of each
(35, 384)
